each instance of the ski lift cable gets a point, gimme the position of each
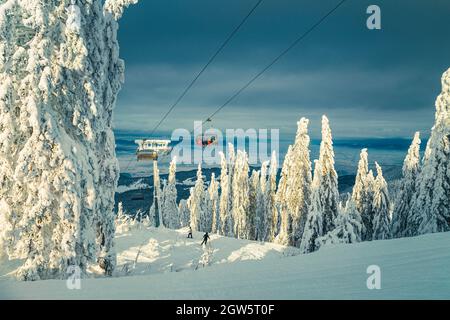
(213, 57)
(259, 74)
(274, 61)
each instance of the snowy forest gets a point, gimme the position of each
(59, 172)
(304, 209)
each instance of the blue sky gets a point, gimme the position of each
(370, 83)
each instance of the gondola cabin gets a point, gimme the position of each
(152, 149)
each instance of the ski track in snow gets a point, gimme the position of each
(411, 268)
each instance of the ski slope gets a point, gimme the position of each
(167, 268)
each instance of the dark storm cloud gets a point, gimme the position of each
(369, 83)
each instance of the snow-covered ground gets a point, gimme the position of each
(167, 268)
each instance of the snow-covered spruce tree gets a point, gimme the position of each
(348, 228)
(169, 206)
(9, 81)
(431, 206)
(285, 236)
(196, 202)
(184, 213)
(324, 206)
(254, 191)
(362, 194)
(226, 226)
(58, 163)
(206, 218)
(381, 207)
(328, 179)
(213, 193)
(155, 212)
(293, 194)
(240, 192)
(262, 229)
(401, 225)
(314, 220)
(270, 199)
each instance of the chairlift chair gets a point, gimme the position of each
(207, 139)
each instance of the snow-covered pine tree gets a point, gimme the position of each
(60, 155)
(9, 81)
(294, 190)
(349, 227)
(328, 185)
(206, 218)
(285, 236)
(431, 206)
(252, 220)
(155, 212)
(213, 193)
(169, 206)
(196, 202)
(240, 193)
(314, 220)
(271, 191)
(362, 194)
(262, 225)
(401, 225)
(325, 198)
(381, 207)
(184, 213)
(226, 226)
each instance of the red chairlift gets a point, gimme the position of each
(207, 139)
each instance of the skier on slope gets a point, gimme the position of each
(190, 233)
(205, 239)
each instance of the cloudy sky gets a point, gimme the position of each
(370, 83)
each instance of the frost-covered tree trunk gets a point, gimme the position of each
(293, 194)
(401, 220)
(431, 206)
(381, 208)
(240, 192)
(60, 167)
(362, 194)
(169, 206)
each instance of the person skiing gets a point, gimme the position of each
(190, 233)
(205, 239)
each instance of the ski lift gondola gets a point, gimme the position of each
(152, 149)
